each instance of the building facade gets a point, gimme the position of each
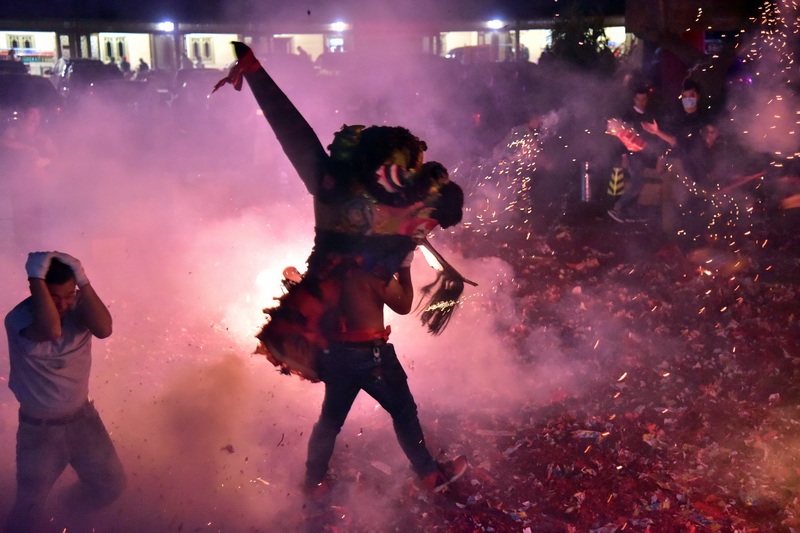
(170, 45)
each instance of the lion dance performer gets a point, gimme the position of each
(374, 202)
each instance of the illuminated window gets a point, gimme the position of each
(16, 40)
(115, 47)
(202, 49)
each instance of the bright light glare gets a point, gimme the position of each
(166, 26)
(494, 24)
(432, 261)
(339, 26)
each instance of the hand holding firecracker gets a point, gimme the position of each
(632, 141)
(440, 298)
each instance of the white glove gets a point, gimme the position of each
(408, 259)
(75, 265)
(38, 264)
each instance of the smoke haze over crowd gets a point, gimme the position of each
(184, 234)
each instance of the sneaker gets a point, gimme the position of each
(445, 474)
(616, 215)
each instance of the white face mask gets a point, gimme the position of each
(689, 102)
(638, 109)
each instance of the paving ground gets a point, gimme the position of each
(688, 420)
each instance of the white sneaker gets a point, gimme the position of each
(616, 216)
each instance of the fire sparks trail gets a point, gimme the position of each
(501, 189)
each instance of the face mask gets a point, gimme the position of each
(689, 102)
(638, 109)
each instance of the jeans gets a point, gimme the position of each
(346, 371)
(43, 453)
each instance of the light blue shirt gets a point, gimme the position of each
(51, 378)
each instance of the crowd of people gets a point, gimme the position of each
(691, 140)
(678, 162)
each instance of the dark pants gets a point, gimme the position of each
(43, 453)
(346, 371)
(637, 163)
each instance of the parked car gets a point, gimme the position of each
(19, 92)
(192, 94)
(469, 55)
(128, 97)
(73, 78)
(13, 67)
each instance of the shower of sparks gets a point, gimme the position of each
(728, 217)
(771, 59)
(442, 305)
(501, 189)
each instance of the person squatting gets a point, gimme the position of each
(50, 350)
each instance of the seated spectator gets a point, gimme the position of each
(687, 122)
(714, 160)
(644, 145)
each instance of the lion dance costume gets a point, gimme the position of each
(369, 215)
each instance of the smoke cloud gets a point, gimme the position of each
(184, 225)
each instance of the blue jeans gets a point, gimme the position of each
(346, 371)
(43, 453)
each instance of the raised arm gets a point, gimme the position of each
(298, 140)
(399, 293)
(90, 310)
(46, 324)
(93, 313)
